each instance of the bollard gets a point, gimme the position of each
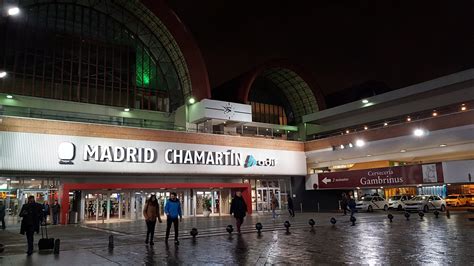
(436, 213)
(229, 229)
(2, 248)
(259, 227)
(421, 214)
(57, 244)
(390, 217)
(353, 220)
(407, 215)
(333, 221)
(448, 214)
(311, 222)
(287, 226)
(193, 232)
(111, 241)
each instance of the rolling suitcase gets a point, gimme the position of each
(45, 243)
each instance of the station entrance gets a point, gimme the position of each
(91, 203)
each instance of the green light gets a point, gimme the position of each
(191, 100)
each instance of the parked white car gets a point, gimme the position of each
(425, 203)
(371, 203)
(398, 202)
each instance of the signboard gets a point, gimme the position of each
(212, 109)
(381, 177)
(458, 171)
(58, 153)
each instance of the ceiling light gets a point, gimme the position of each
(435, 113)
(342, 147)
(403, 150)
(278, 130)
(463, 107)
(347, 131)
(418, 132)
(443, 145)
(32, 179)
(246, 127)
(350, 145)
(368, 155)
(126, 109)
(340, 159)
(360, 143)
(9, 96)
(13, 11)
(381, 187)
(357, 187)
(385, 124)
(366, 127)
(408, 119)
(365, 101)
(266, 129)
(8, 179)
(3, 74)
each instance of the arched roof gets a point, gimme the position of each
(299, 88)
(196, 67)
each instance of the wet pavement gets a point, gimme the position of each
(373, 240)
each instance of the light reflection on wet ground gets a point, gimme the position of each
(373, 240)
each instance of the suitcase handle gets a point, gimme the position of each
(45, 229)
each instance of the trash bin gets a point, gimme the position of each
(73, 217)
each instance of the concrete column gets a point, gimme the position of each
(194, 202)
(97, 208)
(212, 202)
(127, 204)
(142, 205)
(82, 208)
(120, 200)
(108, 206)
(133, 210)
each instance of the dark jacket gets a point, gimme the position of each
(56, 208)
(3, 209)
(290, 203)
(238, 207)
(31, 214)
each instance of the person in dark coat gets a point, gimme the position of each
(344, 203)
(239, 209)
(31, 213)
(291, 209)
(56, 208)
(3, 210)
(45, 211)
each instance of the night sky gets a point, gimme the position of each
(341, 44)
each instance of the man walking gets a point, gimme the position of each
(344, 203)
(291, 209)
(31, 213)
(238, 208)
(274, 205)
(3, 210)
(173, 211)
(56, 209)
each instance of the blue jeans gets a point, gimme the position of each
(274, 213)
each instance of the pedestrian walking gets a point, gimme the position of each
(31, 213)
(173, 211)
(151, 212)
(3, 210)
(352, 204)
(45, 211)
(344, 203)
(239, 209)
(56, 209)
(274, 205)
(291, 209)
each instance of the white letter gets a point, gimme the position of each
(219, 156)
(199, 157)
(149, 155)
(119, 154)
(131, 155)
(188, 159)
(91, 152)
(210, 158)
(167, 156)
(178, 154)
(106, 154)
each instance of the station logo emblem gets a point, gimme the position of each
(66, 153)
